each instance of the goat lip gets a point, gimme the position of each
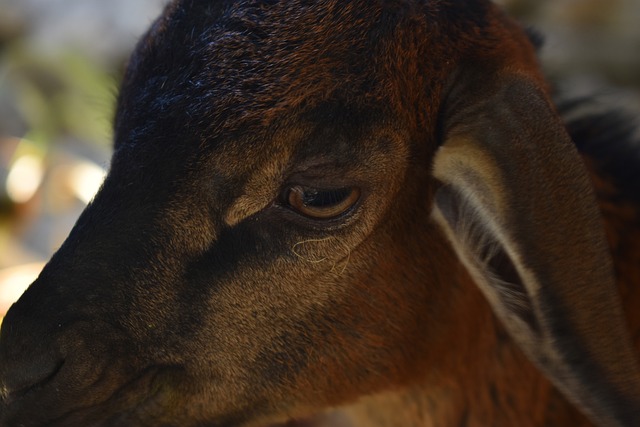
(19, 410)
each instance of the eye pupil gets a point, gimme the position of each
(321, 198)
(321, 203)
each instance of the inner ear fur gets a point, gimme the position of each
(517, 205)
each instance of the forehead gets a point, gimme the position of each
(218, 67)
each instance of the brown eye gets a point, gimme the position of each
(319, 203)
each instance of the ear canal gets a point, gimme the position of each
(517, 205)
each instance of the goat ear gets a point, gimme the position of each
(516, 203)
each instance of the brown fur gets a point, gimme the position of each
(485, 380)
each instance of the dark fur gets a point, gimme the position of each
(611, 139)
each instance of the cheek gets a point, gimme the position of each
(361, 338)
(380, 331)
(261, 325)
(259, 337)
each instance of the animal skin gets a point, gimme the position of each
(341, 213)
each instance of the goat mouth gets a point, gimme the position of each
(121, 405)
(17, 407)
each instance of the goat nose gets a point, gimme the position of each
(27, 356)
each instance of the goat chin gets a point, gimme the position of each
(326, 418)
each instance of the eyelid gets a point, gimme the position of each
(322, 174)
(348, 197)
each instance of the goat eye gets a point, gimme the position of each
(320, 203)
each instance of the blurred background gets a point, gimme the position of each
(60, 66)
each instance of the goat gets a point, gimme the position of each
(371, 206)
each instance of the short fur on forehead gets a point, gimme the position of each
(216, 67)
